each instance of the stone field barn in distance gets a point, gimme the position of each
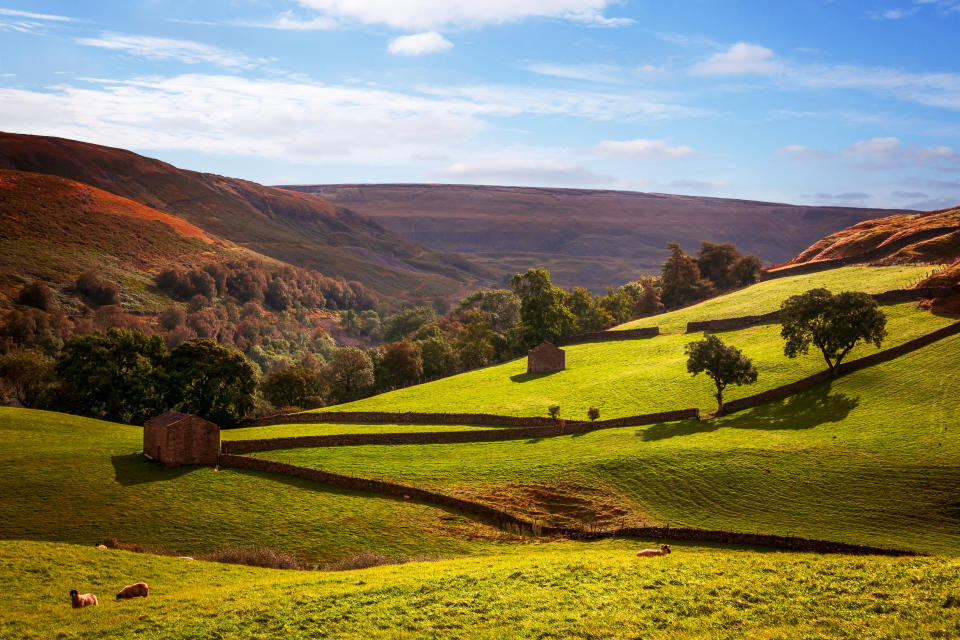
(175, 439)
(546, 358)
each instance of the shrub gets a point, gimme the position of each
(37, 294)
(257, 557)
(96, 290)
(593, 413)
(554, 411)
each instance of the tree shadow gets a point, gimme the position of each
(804, 410)
(527, 377)
(134, 468)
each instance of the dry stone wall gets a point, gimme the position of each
(610, 336)
(555, 428)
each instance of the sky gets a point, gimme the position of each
(842, 102)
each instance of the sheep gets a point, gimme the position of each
(139, 590)
(78, 601)
(647, 553)
(101, 546)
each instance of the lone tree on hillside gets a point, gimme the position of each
(723, 363)
(833, 323)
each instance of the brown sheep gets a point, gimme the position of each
(139, 590)
(78, 601)
(647, 553)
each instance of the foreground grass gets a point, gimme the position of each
(559, 590)
(70, 479)
(871, 457)
(767, 296)
(627, 377)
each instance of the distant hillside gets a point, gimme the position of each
(293, 227)
(54, 228)
(585, 237)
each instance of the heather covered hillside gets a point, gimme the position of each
(585, 237)
(296, 228)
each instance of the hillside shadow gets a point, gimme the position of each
(527, 377)
(133, 469)
(801, 411)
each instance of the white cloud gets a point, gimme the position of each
(642, 148)
(887, 153)
(288, 21)
(154, 48)
(603, 73)
(741, 58)
(415, 15)
(801, 152)
(419, 44)
(36, 16)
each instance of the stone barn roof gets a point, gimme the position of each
(167, 419)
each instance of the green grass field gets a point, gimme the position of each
(871, 457)
(70, 479)
(627, 377)
(558, 590)
(767, 296)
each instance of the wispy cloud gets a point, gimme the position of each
(289, 21)
(36, 16)
(419, 44)
(514, 169)
(600, 73)
(643, 148)
(425, 15)
(879, 153)
(153, 48)
(802, 152)
(741, 58)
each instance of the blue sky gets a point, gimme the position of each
(812, 102)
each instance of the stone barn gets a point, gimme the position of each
(546, 358)
(174, 439)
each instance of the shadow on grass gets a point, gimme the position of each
(134, 469)
(801, 411)
(527, 377)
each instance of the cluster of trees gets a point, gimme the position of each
(126, 376)
(715, 268)
(833, 323)
(281, 289)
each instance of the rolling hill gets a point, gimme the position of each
(55, 228)
(296, 228)
(589, 238)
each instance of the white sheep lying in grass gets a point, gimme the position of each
(78, 601)
(139, 590)
(647, 553)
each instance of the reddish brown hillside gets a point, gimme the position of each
(53, 228)
(294, 227)
(586, 237)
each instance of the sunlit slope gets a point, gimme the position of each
(764, 297)
(872, 457)
(71, 479)
(627, 377)
(563, 590)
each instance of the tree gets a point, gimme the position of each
(402, 324)
(294, 387)
(835, 324)
(500, 307)
(438, 357)
(96, 290)
(588, 314)
(474, 344)
(746, 270)
(404, 363)
(37, 294)
(682, 283)
(543, 311)
(723, 363)
(715, 262)
(349, 375)
(27, 374)
(114, 376)
(214, 382)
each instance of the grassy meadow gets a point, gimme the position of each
(871, 458)
(557, 590)
(765, 297)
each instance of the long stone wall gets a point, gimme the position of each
(610, 336)
(844, 369)
(504, 519)
(867, 256)
(895, 295)
(454, 437)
